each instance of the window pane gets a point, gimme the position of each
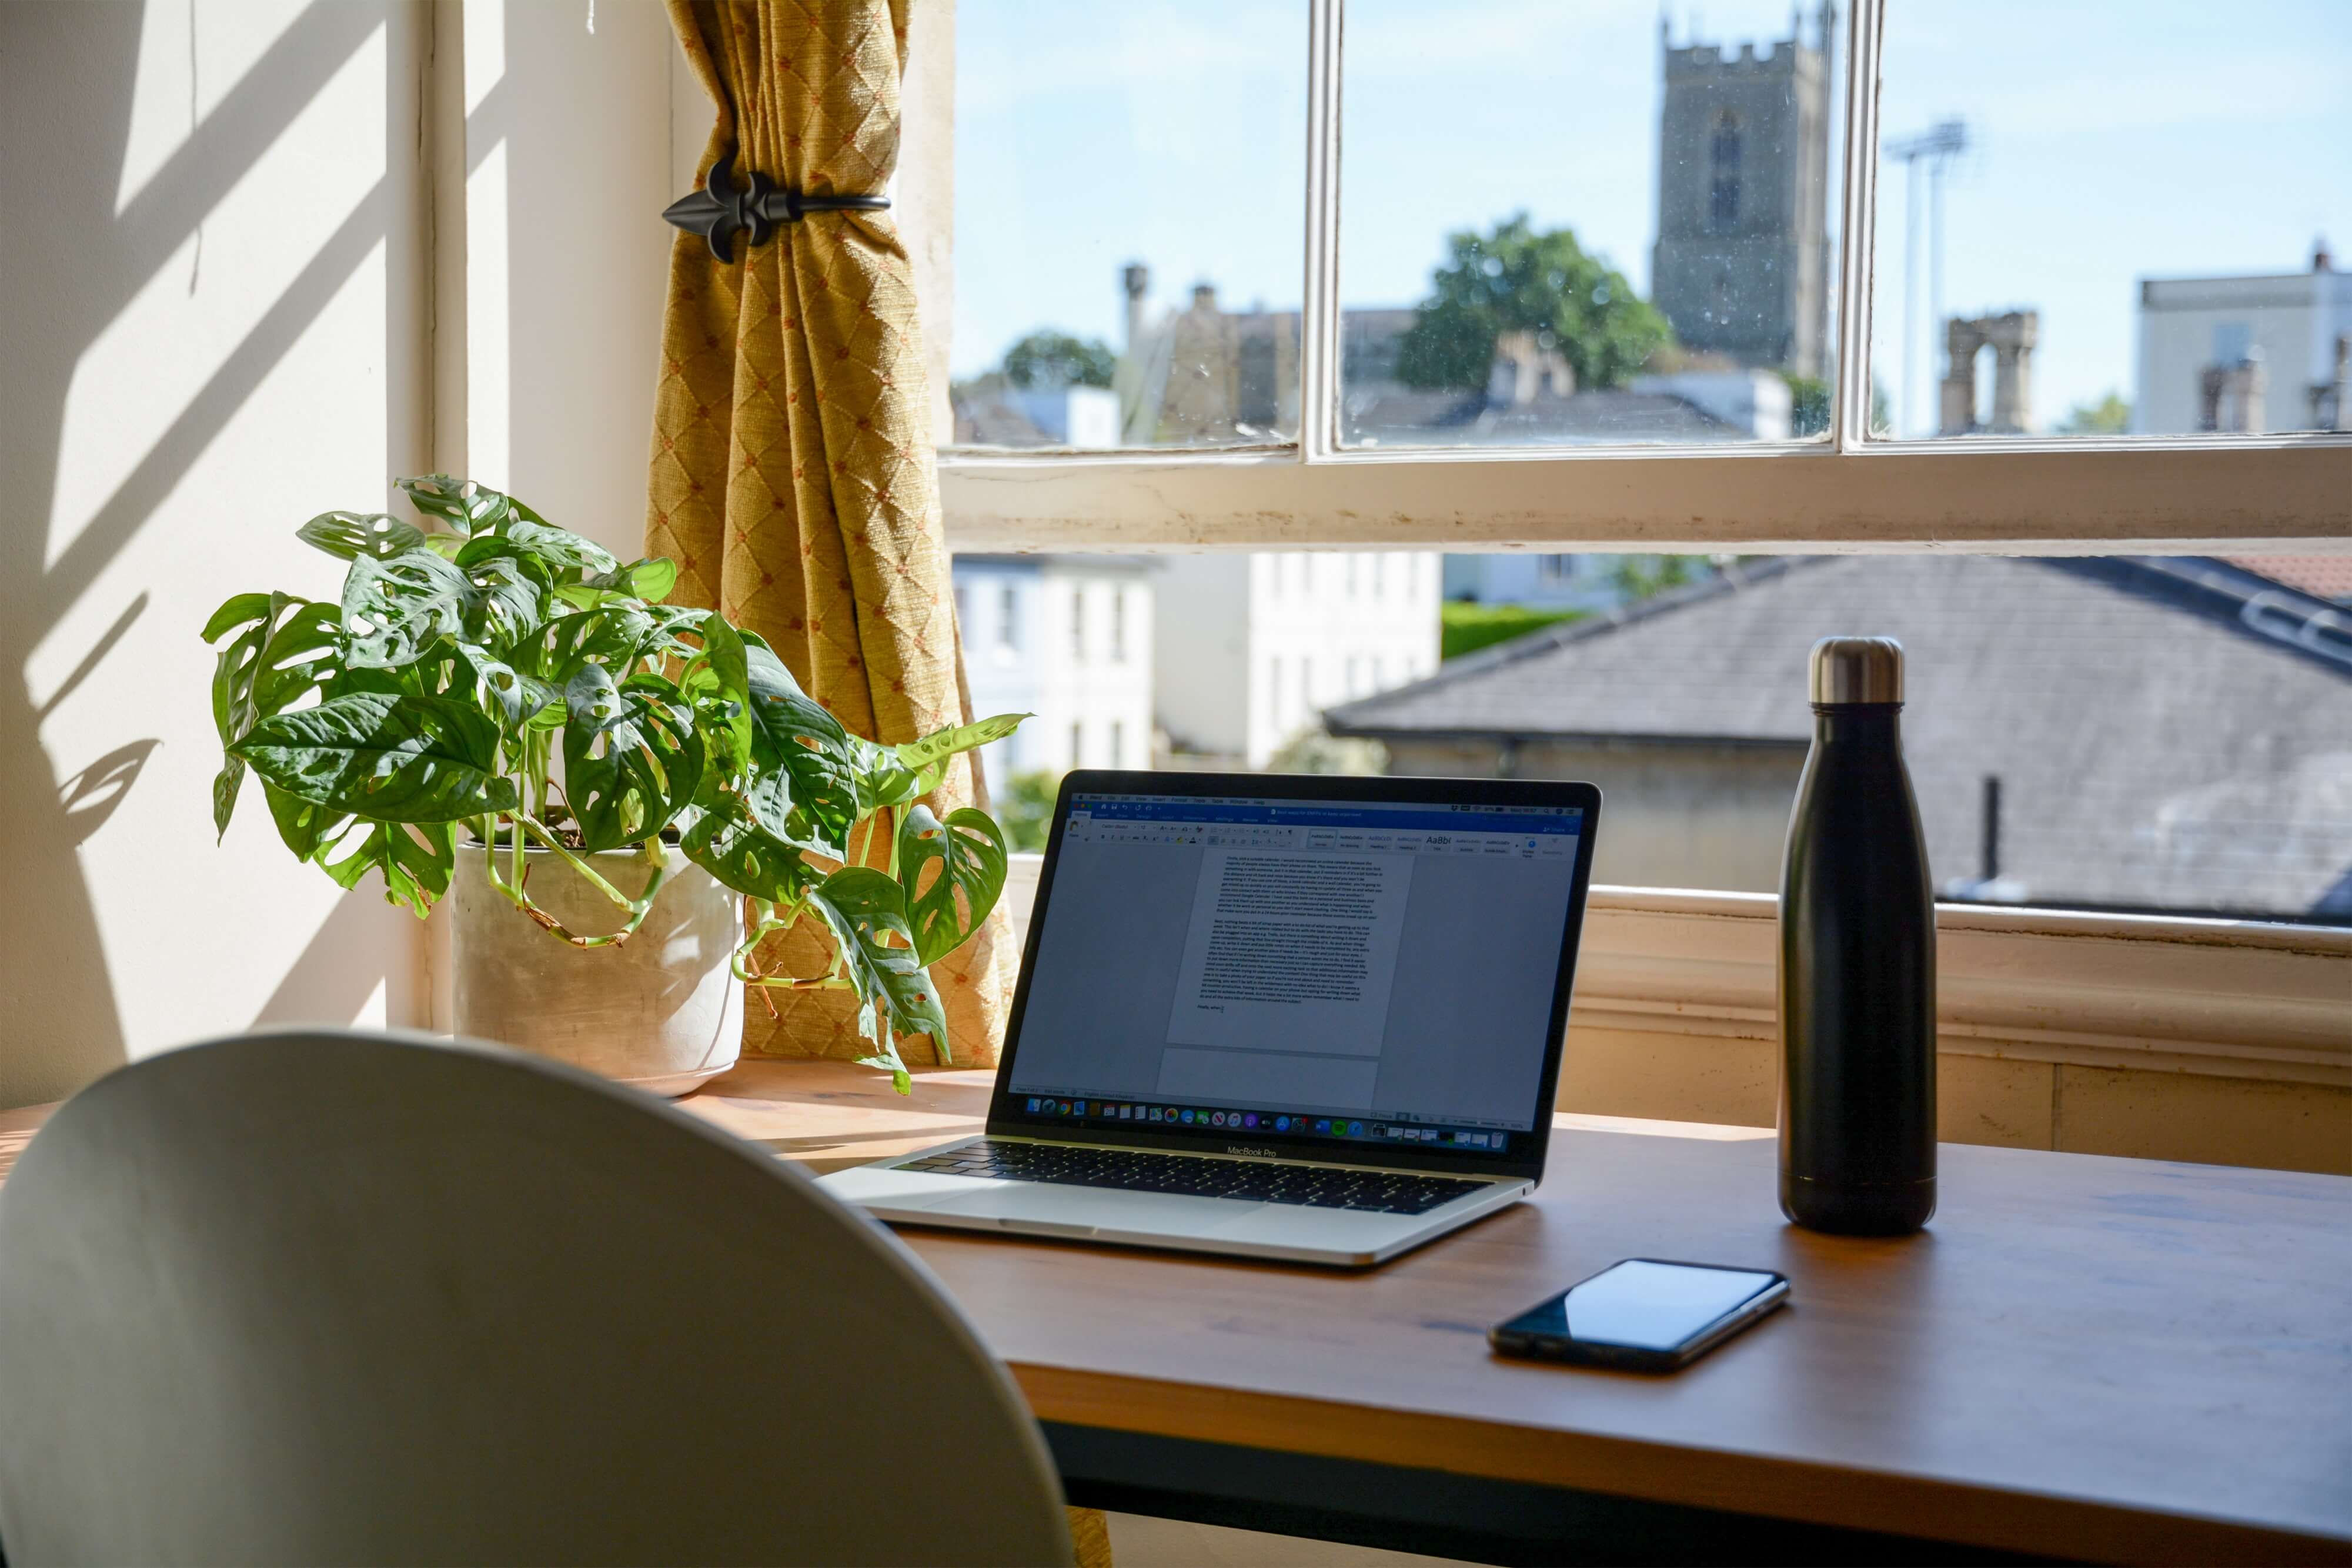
(2161, 734)
(1570, 225)
(2102, 219)
(1129, 221)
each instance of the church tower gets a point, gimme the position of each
(1742, 263)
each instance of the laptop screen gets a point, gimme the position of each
(1347, 972)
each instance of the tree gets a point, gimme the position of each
(1517, 279)
(1640, 576)
(1809, 404)
(1049, 359)
(2111, 415)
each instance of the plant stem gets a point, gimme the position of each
(531, 825)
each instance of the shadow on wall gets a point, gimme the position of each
(73, 265)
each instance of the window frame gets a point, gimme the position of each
(2189, 493)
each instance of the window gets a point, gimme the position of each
(1801, 259)
(1008, 617)
(1117, 758)
(1117, 630)
(1077, 622)
(1078, 743)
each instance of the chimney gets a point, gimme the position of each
(1136, 278)
(2320, 260)
(1204, 297)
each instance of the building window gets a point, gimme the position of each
(1008, 617)
(1078, 743)
(1117, 758)
(1077, 624)
(1117, 630)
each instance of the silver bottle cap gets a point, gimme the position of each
(1857, 670)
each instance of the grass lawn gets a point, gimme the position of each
(1465, 628)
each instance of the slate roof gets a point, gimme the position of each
(2169, 733)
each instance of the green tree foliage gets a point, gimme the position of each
(1640, 576)
(1025, 807)
(1809, 404)
(1518, 279)
(1465, 627)
(1049, 359)
(2111, 415)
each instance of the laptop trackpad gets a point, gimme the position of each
(1095, 1209)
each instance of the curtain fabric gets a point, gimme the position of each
(792, 471)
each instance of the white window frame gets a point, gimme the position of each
(2241, 1000)
(2087, 496)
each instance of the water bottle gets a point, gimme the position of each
(1857, 978)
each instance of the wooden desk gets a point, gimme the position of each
(2105, 1359)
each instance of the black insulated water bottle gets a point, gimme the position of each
(1857, 962)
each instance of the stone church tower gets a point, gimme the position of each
(1743, 256)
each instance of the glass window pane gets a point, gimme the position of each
(1130, 223)
(2159, 734)
(2099, 220)
(1576, 225)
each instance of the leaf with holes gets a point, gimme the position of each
(803, 787)
(468, 508)
(414, 858)
(727, 840)
(558, 551)
(929, 756)
(394, 610)
(632, 757)
(351, 535)
(866, 911)
(968, 848)
(510, 594)
(511, 698)
(614, 637)
(718, 680)
(387, 757)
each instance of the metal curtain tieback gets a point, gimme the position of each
(719, 212)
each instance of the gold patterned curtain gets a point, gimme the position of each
(792, 470)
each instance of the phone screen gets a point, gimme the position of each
(1643, 1304)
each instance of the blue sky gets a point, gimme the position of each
(2114, 141)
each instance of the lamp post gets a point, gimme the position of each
(1937, 146)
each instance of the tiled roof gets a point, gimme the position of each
(2323, 576)
(2158, 744)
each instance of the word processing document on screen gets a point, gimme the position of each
(1389, 960)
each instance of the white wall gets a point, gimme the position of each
(1201, 649)
(2293, 318)
(208, 339)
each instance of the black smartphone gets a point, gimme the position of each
(1644, 1314)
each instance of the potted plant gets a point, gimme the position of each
(505, 708)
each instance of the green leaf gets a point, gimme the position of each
(930, 755)
(728, 842)
(237, 672)
(415, 859)
(394, 609)
(468, 508)
(969, 850)
(304, 654)
(882, 779)
(720, 679)
(388, 758)
(650, 579)
(235, 611)
(555, 549)
(864, 909)
(349, 535)
(511, 596)
(614, 637)
(632, 757)
(804, 785)
(305, 825)
(507, 696)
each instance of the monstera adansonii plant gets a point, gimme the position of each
(516, 681)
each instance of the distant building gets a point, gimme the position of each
(2166, 732)
(2245, 353)
(1742, 263)
(1069, 639)
(1252, 648)
(1540, 581)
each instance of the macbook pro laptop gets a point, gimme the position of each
(1306, 1017)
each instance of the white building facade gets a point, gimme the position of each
(1250, 649)
(1067, 638)
(2275, 348)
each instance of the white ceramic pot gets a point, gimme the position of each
(661, 1012)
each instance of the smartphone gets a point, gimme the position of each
(1644, 1314)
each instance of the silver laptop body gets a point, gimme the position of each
(1313, 1019)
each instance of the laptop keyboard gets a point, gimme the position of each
(1145, 1170)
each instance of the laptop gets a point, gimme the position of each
(1308, 1018)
